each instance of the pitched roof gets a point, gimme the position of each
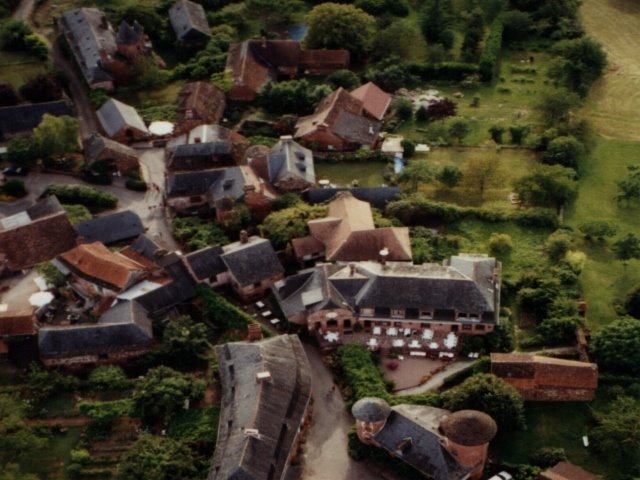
(25, 117)
(274, 407)
(115, 115)
(319, 60)
(376, 196)
(425, 451)
(348, 233)
(375, 101)
(219, 183)
(251, 262)
(201, 100)
(35, 235)
(567, 471)
(95, 144)
(206, 262)
(129, 34)
(18, 322)
(111, 228)
(288, 159)
(187, 16)
(90, 37)
(245, 69)
(97, 263)
(125, 326)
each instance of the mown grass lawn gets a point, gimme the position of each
(17, 68)
(342, 174)
(604, 278)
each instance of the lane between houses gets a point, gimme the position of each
(24, 10)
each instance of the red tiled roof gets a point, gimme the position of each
(319, 62)
(567, 471)
(4, 348)
(96, 261)
(375, 100)
(201, 100)
(20, 322)
(308, 245)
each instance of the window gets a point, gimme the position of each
(454, 328)
(466, 327)
(397, 312)
(480, 328)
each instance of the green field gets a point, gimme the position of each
(16, 68)
(342, 174)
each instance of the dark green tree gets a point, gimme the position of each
(459, 128)
(108, 377)
(185, 339)
(517, 25)
(489, 394)
(579, 63)
(436, 21)
(597, 230)
(617, 434)
(548, 186)
(496, 132)
(616, 348)
(404, 109)
(415, 173)
(449, 176)
(272, 12)
(632, 303)
(567, 151)
(345, 79)
(17, 440)
(629, 187)
(474, 32)
(8, 95)
(556, 105)
(627, 248)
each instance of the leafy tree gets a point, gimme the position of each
(408, 148)
(81, 194)
(345, 79)
(157, 458)
(566, 151)
(77, 213)
(558, 331)
(496, 133)
(43, 88)
(286, 201)
(381, 7)
(14, 188)
(627, 248)
(489, 394)
(404, 109)
(474, 31)
(517, 25)
(500, 243)
(617, 434)
(547, 457)
(334, 25)
(547, 186)
(431, 247)
(16, 35)
(398, 39)
(271, 12)
(108, 377)
(616, 348)
(284, 225)
(154, 23)
(632, 303)
(292, 96)
(415, 173)
(597, 230)
(579, 63)
(440, 109)
(8, 95)
(185, 339)
(217, 311)
(17, 440)
(459, 128)
(391, 74)
(42, 383)
(197, 233)
(436, 21)
(56, 136)
(518, 133)
(556, 105)
(481, 174)
(163, 393)
(449, 176)
(11, 471)
(421, 114)
(22, 151)
(630, 186)
(104, 414)
(557, 245)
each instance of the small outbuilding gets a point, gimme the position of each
(122, 122)
(189, 22)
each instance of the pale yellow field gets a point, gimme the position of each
(614, 103)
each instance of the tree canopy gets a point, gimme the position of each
(56, 136)
(271, 12)
(616, 348)
(547, 186)
(284, 225)
(482, 173)
(489, 394)
(579, 63)
(185, 339)
(629, 187)
(335, 25)
(627, 248)
(617, 434)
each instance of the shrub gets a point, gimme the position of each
(77, 213)
(558, 331)
(491, 52)
(447, 71)
(15, 188)
(136, 185)
(496, 133)
(80, 194)
(404, 109)
(108, 377)
(500, 243)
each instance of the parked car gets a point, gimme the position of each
(502, 476)
(19, 171)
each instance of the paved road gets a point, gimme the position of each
(24, 10)
(326, 456)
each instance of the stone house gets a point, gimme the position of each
(35, 235)
(206, 266)
(462, 296)
(122, 122)
(189, 23)
(104, 57)
(205, 147)
(266, 408)
(348, 233)
(98, 148)
(545, 378)
(200, 103)
(338, 124)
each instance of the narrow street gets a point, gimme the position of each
(24, 10)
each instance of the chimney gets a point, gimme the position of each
(253, 433)
(197, 140)
(249, 188)
(322, 127)
(262, 377)
(262, 188)
(404, 445)
(384, 253)
(244, 236)
(352, 269)
(286, 138)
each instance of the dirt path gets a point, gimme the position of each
(59, 422)
(614, 103)
(24, 10)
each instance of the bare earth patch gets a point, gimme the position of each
(614, 106)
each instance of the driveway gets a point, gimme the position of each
(326, 456)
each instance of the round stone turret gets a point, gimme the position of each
(371, 414)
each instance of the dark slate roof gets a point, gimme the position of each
(289, 158)
(206, 262)
(377, 196)
(199, 156)
(129, 34)
(187, 17)
(44, 207)
(275, 408)
(145, 247)
(469, 428)
(124, 326)
(356, 128)
(180, 290)
(89, 35)
(22, 118)
(219, 183)
(112, 228)
(115, 115)
(371, 409)
(96, 144)
(425, 453)
(251, 262)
